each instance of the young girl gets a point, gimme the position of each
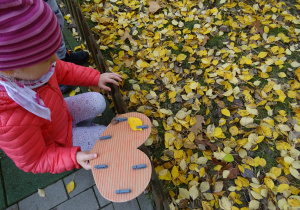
(36, 129)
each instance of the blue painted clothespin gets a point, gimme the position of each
(100, 166)
(121, 119)
(139, 166)
(123, 191)
(142, 126)
(118, 119)
(105, 137)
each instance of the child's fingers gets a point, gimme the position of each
(86, 165)
(117, 77)
(91, 156)
(112, 78)
(87, 158)
(105, 88)
(113, 82)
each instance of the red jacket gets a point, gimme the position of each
(36, 144)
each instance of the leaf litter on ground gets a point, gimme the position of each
(220, 81)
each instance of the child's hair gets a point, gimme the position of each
(29, 33)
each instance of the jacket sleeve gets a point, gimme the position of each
(26, 147)
(72, 74)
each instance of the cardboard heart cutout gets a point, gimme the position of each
(120, 154)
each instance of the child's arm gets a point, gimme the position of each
(72, 74)
(26, 147)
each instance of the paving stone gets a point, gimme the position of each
(145, 202)
(55, 194)
(83, 180)
(19, 184)
(13, 207)
(130, 205)
(85, 200)
(108, 207)
(102, 201)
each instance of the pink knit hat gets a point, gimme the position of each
(29, 33)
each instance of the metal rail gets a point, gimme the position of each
(99, 60)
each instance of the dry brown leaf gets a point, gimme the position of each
(257, 25)
(153, 6)
(198, 126)
(104, 20)
(205, 142)
(183, 203)
(95, 89)
(127, 36)
(204, 40)
(129, 62)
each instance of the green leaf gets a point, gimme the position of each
(228, 158)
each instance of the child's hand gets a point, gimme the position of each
(108, 78)
(83, 159)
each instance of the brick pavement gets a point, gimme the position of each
(84, 196)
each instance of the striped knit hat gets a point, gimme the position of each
(29, 33)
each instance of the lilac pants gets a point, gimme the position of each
(84, 108)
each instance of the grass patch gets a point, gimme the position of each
(275, 31)
(179, 51)
(127, 85)
(269, 153)
(110, 51)
(260, 49)
(190, 25)
(276, 70)
(157, 150)
(216, 41)
(263, 82)
(262, 113)
(238, 56)
(147, 87)
(174, 107)
(283, 106)
(91, 24)
(296, 183)
(295, 56)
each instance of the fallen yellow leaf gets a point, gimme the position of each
(262, 54)
(133, 122)
(225, 112)
(269, 183)
(70, 187)
(181, 57)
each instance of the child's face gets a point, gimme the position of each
(32, 72)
